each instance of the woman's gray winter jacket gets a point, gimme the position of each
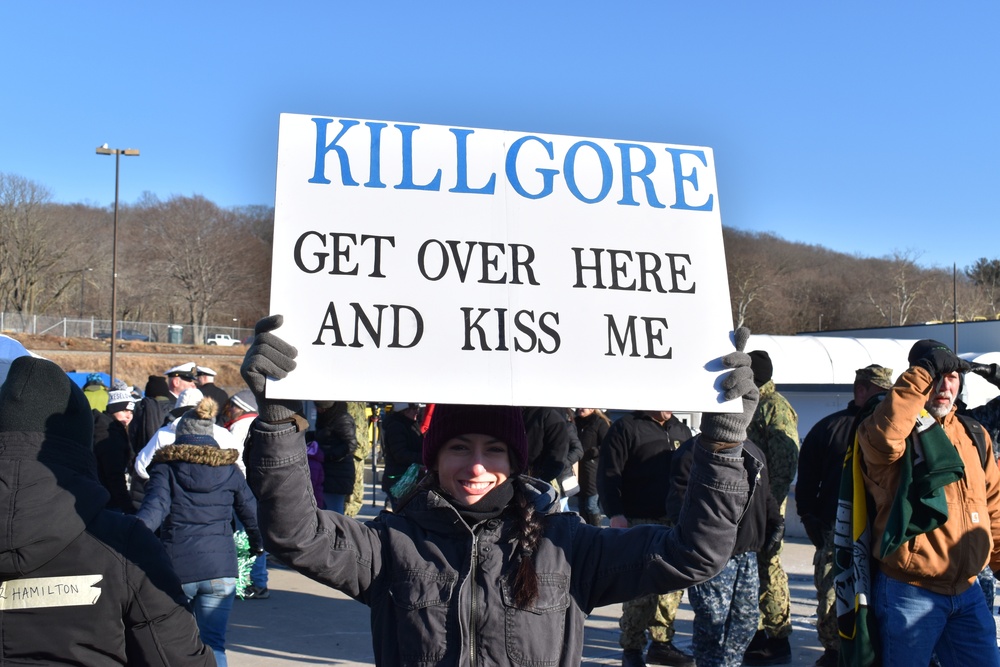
(439, 591)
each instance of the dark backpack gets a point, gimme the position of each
(978, 435)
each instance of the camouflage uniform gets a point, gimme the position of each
(655, 612)
(774, 429)
(826, 595)
(359, 413)
(725, 613)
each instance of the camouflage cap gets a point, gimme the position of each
(880, 376)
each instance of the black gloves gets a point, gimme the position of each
(773, 541)
(815, 530)
(989, 372)
(269, 356)
(936, 358)
(726, 427)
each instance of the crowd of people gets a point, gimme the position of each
(562, 510)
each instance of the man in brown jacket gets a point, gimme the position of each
(936, 518)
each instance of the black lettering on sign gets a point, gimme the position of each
(371, 325)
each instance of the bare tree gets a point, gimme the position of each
(203, 253)
(895, 296)
(985, 274)
(942, 290)
(30, 250)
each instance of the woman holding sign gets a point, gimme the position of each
(472, 568)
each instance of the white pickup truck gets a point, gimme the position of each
(221, 339)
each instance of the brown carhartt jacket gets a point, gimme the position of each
(947, 559)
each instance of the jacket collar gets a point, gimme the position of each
(204, 454)
(432, 510)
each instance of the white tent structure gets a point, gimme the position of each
(816, 375)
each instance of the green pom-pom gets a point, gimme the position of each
(244, 561)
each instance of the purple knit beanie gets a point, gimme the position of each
(499, 421)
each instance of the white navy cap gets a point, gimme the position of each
(186, 371)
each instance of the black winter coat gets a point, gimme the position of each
(403, 446)
(82, 585)
(821, 462)
(548, 442)
(190, 496)
(114, 460)
(633, 475)
(146, 420)
(439, 589)
(337, 436)
(219, 395)
(763, 515)
(591, 430)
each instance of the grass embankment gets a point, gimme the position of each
(135, 361)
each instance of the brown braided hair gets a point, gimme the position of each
(528, 528)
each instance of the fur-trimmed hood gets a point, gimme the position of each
(203, 454)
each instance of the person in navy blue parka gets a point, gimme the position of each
(193, 488)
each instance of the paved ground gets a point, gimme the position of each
(304, 623)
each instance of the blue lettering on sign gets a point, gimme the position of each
(375, 162)
(407, 182)
(511, 169)
(322, 148)
(642, 175)
(635, 167)
(569, 167)
(462, 160)
(692, 178)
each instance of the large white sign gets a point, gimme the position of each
(457, 265)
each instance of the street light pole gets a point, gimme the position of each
(117, 152)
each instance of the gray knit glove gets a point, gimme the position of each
(269, 356)
(728, 427)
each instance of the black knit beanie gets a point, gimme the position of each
(156, 386)
(923, 348)
(763, 369)
(38, 397)
(499, 421)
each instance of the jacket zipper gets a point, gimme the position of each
(472, 609)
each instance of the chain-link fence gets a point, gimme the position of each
(70, 327)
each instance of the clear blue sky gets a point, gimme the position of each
(865, 127)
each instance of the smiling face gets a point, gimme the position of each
(943, 395)
(470, 466)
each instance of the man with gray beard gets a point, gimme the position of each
(936, 513)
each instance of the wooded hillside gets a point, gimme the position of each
(186, 260)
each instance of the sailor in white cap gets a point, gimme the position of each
(180, 377)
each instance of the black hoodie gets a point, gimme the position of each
(81, 584)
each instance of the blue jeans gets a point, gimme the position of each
(335, 502)
(589, 504)
(212, 600)
(915, 623)
(258, 571)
